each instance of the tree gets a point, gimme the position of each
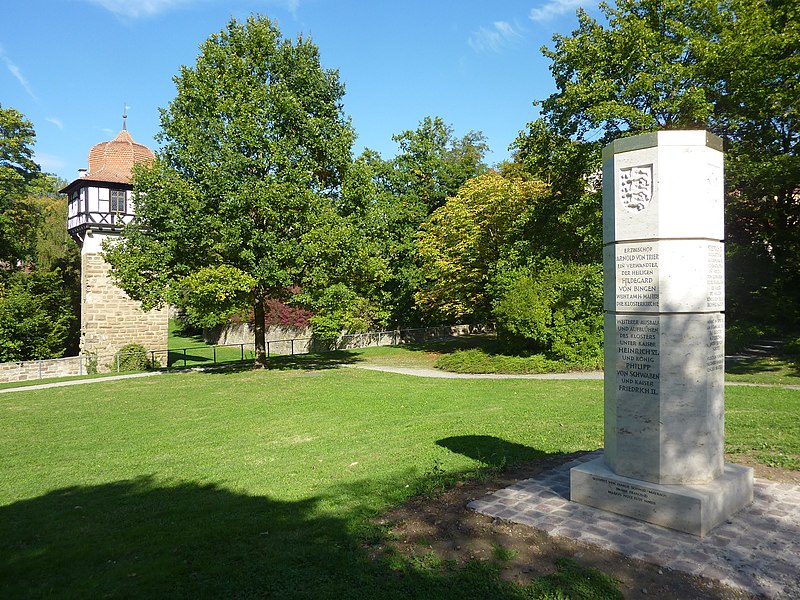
(729, 66)
(36, 316)
(17, 172)
(255, 145)
(392, 198)
(568, 223)
(54, 250)
(432, 165)
(554, 308)
(642, 72)
(463, 242)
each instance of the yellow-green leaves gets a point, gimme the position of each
(462, 242)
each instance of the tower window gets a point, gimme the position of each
(118, 198)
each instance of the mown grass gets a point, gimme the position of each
(188, 349)
(764, 424)
(246, 483)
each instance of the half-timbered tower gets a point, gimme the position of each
(100, 204)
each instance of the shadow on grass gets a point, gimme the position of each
(494, 452)
(149, 538)
(296, 362)
(752, 365)
(483, 341)
(313, 362)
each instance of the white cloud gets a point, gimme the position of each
(17, 73)
(136, 9)
(139, 8)
(500, 35)
(554, 8)
(49, 162)
(55, 121)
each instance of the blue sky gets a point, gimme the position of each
(70, 66)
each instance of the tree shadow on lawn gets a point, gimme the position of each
(484, 341)
(751, 365)
(149, 538)
(296, 362)
(494, 452)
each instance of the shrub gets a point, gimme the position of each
(793, 347)
(738, 336)
(132, 357)
(556, 309)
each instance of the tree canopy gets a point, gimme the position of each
(729, 66)
(465, 241)
(18, 172)
(255, 145)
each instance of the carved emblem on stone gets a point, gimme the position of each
(636, 187)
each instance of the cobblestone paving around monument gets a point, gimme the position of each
(757, 550)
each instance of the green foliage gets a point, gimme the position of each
(17, 172)
(432, 165)
(640, 72)
(132, 357)
(36, 316)
(255, 145)
(463, 241)
(212, 294)
(340, 309)
(343, 276)
(729, 66)
(556, 309)
(738, 336)
(567, 223)
(392, 198)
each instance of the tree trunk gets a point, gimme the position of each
(260, 347)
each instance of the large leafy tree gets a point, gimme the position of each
(36, 316)
(18, 172)
(255, 145)
(394, 197)
(729, 66)
(432, 164)
(567, 224)
(467, 240)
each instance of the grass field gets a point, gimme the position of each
(256, 483)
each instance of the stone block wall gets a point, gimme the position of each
(31, 370)
(109, 318)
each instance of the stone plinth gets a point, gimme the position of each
(694, 509)
(663, 263)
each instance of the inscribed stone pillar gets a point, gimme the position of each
(663, 267)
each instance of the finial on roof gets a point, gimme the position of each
(125, 117)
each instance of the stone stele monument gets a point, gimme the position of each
(663, 263)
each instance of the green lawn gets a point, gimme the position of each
(771, 370)
(190, 350)
(256, 483)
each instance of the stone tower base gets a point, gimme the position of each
(109, 318)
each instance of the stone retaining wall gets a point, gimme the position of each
(279, 338)
(29, 370)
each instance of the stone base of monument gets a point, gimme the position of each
(694, 509)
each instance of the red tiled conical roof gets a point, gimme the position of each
(113, 161)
